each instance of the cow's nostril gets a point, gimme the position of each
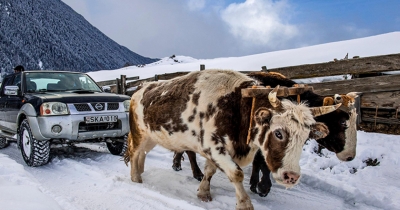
(338, 98)
(349, 158)
(285, 176)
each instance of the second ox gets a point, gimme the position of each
(205, 113)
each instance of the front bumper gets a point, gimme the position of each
(73, 127)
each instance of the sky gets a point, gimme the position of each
(224, 28)
(87, 176)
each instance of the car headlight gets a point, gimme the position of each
(126, 105)
(53, 108)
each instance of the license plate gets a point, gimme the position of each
(101, 119)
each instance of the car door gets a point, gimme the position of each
(3, 100)
(10, 104)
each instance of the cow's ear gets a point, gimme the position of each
(353, 94)
(328, 101)
(262, 116)
(348, 101)
(318, 131)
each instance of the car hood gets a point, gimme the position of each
(85, 97)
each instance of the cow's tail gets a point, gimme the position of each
(134, 136)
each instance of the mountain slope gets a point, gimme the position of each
(42, 34)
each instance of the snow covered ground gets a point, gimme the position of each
(88, 177)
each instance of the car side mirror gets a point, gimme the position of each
(106, 89)
(11, 90)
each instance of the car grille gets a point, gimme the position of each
(82, 107)
(96, 107)
(113, 106)
(84, 127)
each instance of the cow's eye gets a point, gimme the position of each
(278, 135)
(343, 123)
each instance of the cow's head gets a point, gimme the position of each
(342, 138)
(281, 133)
(342, 124)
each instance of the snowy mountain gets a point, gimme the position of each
(43, 34)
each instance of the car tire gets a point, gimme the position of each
(3, 142)
(117, 147)
(34, 152)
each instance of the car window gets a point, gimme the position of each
(62, 81)
(17, 80)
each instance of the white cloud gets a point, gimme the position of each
(260, 22)
(196, 4)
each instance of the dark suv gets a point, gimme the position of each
(39, 108)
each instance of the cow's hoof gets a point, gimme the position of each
(263, 190)
(176, 167)
(263, 194)
(199, 177)
(253, 188)
(244, 205)
(137, 179)
(205, 197)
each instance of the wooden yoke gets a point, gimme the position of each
(262, 92)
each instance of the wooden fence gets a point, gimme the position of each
(379, 101)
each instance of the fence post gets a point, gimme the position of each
(156, 77)
(202, 67)
(118, 85)
(264, 69)
(123, 84)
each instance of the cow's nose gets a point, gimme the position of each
(349, 158)
(338, 98)
(290, 177)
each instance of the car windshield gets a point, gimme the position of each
(59, 82)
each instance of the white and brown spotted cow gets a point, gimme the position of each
(205, 113)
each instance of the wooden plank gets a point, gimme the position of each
(372, 64)
(381, 99)
(113, 82)
(381, 120)
(169, 76)
(380, 127)
(364, 85)
(282, 91)
(166, 76)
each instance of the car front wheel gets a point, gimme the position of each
(117, 147)
(3, 142)
(34, 152)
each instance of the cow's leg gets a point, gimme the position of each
(235, 175)
(133, 153)
(147, 147)
(135, 173)
(204, 187)
(263, 186)
(138, 158)
(176, 163)
(255, 173)
(197, 174)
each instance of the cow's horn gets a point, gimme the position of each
(275, 102)
(318, 111)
